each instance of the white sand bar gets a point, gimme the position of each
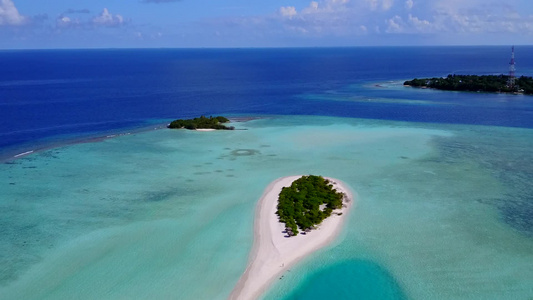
(273, 252)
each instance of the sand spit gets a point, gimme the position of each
(205, 129)
(273, 253)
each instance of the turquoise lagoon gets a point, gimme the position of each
(441, 212)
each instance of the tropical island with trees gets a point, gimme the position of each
(201, 123)
(296, 201)
(476, 83)
(307, 202)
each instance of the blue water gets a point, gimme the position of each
(71, 93)
(444, 178)
(349, 280)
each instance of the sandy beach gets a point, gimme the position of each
(274, 253)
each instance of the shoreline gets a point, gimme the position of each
(272, 252)
(10, 154)
(425, 87)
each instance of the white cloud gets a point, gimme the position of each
(387, 4)
(9, 14)
(379, 4)
(104, 19)
(409, 4)
(421, 25)
(288, 11)
(63, 21)
(108, 19)
(395, 25)
(325, 6)
(457, 16)
(319, 18)
(67, 22)
(373, 4)
(474, 17)
(368, 20)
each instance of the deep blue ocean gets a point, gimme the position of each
(48, 96)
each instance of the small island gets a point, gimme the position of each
(306, 203)
(476, 83)
(274, 252)
(201, 123)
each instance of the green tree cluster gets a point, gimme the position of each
(201, 123)
(475, 83)
(526, 84)
(299, 204)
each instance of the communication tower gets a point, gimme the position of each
(512, 69)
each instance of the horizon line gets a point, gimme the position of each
(264, 47)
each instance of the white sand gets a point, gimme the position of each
(273, 253)
(205, 129)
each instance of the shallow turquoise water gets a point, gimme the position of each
(347, 280)
(441, 212)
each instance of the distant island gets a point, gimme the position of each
(476, 83)
(306, 203)
(201, 123)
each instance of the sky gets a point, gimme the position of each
(38, 24)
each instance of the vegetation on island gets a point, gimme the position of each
(307, 202)
(201, 123)
(476, 83)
